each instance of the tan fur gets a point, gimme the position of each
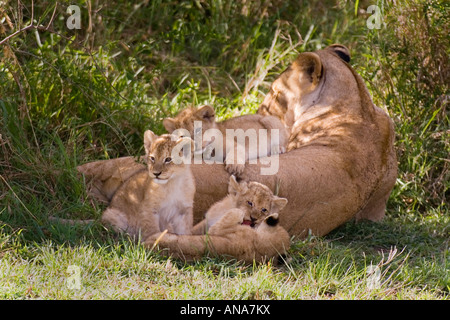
(254, 199)
(157, 198)
(341, 164)
(103, 178)
(346, 130)
(243, 226)
(228, 237)
(185, 120)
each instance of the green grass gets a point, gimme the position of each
(334, 267)
(70, 96)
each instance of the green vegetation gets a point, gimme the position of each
(72, 96)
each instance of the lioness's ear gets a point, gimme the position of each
(310, 70)
(341, 51)
(169, 124)
(149, 138)
(205, 112)
(278, 204)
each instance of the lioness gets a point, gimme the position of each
(234, 160)
(156, 198)
(341, 164)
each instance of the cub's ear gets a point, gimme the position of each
(272, 220)
(205, 113)
(235, 187)
(149, 138)
(278, 204)
(310, 70)
(341, 51)
(169, 124)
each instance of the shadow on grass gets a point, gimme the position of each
(424, 235)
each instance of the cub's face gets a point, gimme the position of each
(185, 120)
(256, 200)
(164, 155)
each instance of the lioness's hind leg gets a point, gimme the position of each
(374, 210)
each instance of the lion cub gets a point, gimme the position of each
(206, 115)
(243, 225)
(255, 200)
(228, 237)
(266, 241)
(159, 197)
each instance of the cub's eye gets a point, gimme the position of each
(152, 158)
(250, 203)
(264, 210)
(168, 160)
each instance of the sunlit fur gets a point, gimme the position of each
(157, 198)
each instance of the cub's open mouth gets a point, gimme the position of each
(248, 223)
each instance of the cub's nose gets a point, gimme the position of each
(156, 174)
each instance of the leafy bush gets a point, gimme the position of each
(409, 74)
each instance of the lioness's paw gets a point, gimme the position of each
(235, 169)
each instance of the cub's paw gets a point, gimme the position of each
(228, 223)
(234, 216)
(293, 145)
(235, 169)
